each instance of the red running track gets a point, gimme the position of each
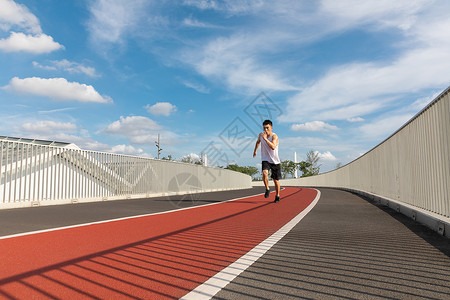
(152, 257)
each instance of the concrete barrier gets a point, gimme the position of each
(409, 171)
(36, 174)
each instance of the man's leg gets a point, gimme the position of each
(266, 183)
(277, 189)
(266, 178)
(276, 176)
(277, 186)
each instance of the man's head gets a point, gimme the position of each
(267, 126)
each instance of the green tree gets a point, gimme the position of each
(312, 158)
(191, 159)
(234, 167)
(187, 159)
(252, 171)
(288, 167)
(303, 167)
(249, 170)
(169, 157)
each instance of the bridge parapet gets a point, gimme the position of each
(410, 169)
(38, 174)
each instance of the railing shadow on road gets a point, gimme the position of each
(323, 265)
(318, 269)
(347, 259)
(194, 199)
(166, 266)
(432, 237)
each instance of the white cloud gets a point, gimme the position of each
(113, 21)
(138, 129)
(313, 126)
(161, 108)
(36, 44)
(68, 66)
(196, 86)
(384, 126)
(234, 60)
(59, 131)
(109, 21)
(141, 130)
(127, 149)
(48, 67)
(56, 88)
(87, 143)
(302, 144)
(356, 119)
(189, 22)
(362, 88)
(55, 110)
(245, 58)
(421, 103)
(82, 143)
(47, 127)
(382, 13)
(17, 15)
(355, 89)
(327, 156)
(228, 7)
(134, 125)
(190, 158)
(71, 133)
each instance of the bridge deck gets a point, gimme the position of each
(344, 248)
(348, 248)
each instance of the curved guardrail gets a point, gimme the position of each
(33, 174)
(411, 167)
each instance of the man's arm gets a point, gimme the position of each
(272, 144)
(256, 146)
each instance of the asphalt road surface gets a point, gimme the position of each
(346, 248)
(349, 248)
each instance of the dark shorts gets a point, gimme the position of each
(275, 168)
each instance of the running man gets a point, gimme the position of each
(269, 157)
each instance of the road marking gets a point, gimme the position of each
(213, 285)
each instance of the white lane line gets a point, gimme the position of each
(213, 285)
(118, 219)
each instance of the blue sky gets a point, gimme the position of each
(338, 77)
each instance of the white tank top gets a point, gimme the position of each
(267, 154)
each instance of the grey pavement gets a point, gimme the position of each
(349, 248)
(345, 248)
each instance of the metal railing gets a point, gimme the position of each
(412, 166)
(34, 173)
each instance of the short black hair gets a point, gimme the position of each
(267, 122)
